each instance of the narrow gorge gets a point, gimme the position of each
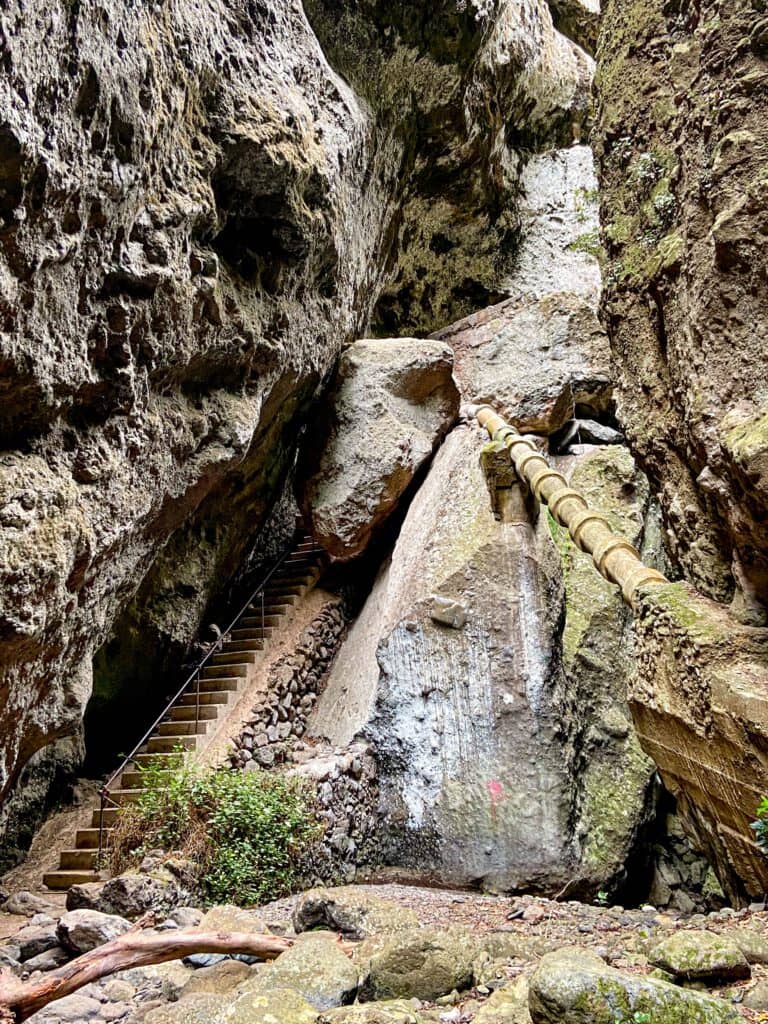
(284, 622)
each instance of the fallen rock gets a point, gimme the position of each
(421, 964)
(74, 1009)
(448, 612)
(507, 1005)
(35, 939)
(575, 986)
(128, 895)
(700, 956)
(49, 960)
(534, 361)
(218, 979)
(83, 930)
(351, 911)
(393, 1011)
(392, 402)
(276, 1006)
(27, 904)
(229, 918)
(316, 968)
(197, 1009)
(757, 997)
(752, 944)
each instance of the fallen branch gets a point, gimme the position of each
(19, 1000)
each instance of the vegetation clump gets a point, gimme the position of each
(248, 833)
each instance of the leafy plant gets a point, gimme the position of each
(760, 826)
(248, 832)
(601, 900)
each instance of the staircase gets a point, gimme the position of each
(196, 715)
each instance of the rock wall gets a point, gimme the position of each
(199, 205)
(682, 140)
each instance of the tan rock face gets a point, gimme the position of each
(495, 766)
(534, 360)
(196, 213)
(682, 141)
(392, 403)
(699, 703)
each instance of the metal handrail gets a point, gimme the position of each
(130, 758)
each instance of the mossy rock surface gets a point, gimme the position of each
(574, 986)
(701, 956)
(391, 1011)
(276, 1006)
(316, 968)
(423, 963)
(197, 1009)
(508, 1005)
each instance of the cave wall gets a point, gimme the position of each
(200, 204)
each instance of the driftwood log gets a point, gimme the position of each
(19, 1000)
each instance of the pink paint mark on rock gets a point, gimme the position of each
(496, 793)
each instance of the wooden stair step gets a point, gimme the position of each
(253, 643)
(193, 711)
(131, 779)
(166, 744)
(252, 633)
(271, 618)
(109, 818)
(59, 880)
(208, 698)
(219, 672)
(182, 729)
(88, 838)
(215, 684)
(78, 860)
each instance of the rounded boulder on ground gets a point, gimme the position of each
(83, 930)
(317, 968)
(575, 986)
(352, 911)
(701, 956)
(424, 963)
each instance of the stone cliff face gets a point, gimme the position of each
(196, 212)
(682, 142)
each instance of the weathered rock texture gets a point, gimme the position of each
(682, 143)
(196, 213)
(495, 766)
(391, 404)
(699, 702)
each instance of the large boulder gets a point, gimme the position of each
(316, 968)
(392, 402)
(352, 911)
(283, 1005)
(83, 930)
(423, 964)
(575, 986)
(130, 895)
(693, 955)
(480, 780)
(535, 360)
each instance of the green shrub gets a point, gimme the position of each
(248, 832)
(760, 827)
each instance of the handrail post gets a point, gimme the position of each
(102, 801)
